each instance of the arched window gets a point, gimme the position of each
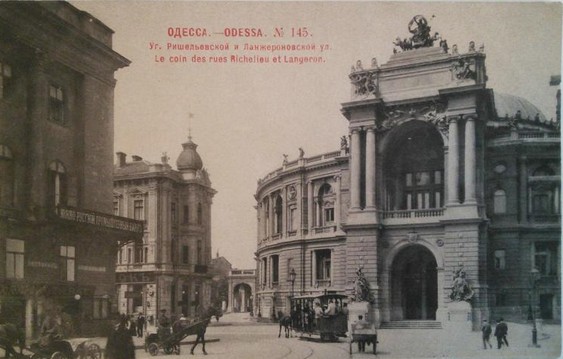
(325, 205)
(499, 202)
(7, 178)
(278, 213)
(57, 185)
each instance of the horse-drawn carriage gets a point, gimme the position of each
(54, 348)
(170, 342)
(327, 327)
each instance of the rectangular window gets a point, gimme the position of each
(329, 215)
(323, 266)
(500, 261)
(275, 269)
(293, 219)
(409, 179)
(437, 177)
(15, 249)
(546, 258)
(5, 80)
(138, 254)
(67, 259)
(146, 254)
(186, 218)
(116, 208)
(56, 104)
(185, 255)
(138, 209)
(129, 255)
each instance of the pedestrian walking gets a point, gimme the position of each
(501, 331)
(141, 321)
(120, 343)
(486, 330)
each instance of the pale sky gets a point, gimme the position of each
(247, 115)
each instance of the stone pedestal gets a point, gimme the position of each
(459, 316)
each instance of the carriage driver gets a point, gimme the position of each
(163, 330)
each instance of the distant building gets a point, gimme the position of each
(440, 182)
(170, 268)
(220, 268)
(242, 286)
(57, 234)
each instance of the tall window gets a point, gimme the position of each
(138, 254)
(185, 255)
(326, 205)
(139, 209)
(278, 213)
(499, 202)
(293, 225)
(67, 260)
(15, 250)
(5, 79)
(544, 192)
(266, 217)
(199, 214)
(56, 104)
(199, 252)
(120, 256)
(116, 207)
(264, 271)
(500, 259)
(546, 257)
(7, 177)
(146, 249)
(173, 214)
(57, 178)
(423, 189)
(101, 308)
(323, 268)
(129, 256)
(275, 269)
(186, 218)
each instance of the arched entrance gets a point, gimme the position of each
(414, 292)
(242, 298)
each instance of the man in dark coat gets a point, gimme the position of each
(486, 330)
(120, 343)
(140, 325)
(501, 331)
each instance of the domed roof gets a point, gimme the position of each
(508, 105)
(189, 159)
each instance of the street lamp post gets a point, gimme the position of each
(292, 276)
(534, 276)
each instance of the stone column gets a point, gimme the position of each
(29, 318)
(355, 180)
(318, 206)
(370, 168)
(283, 229)
(310, 207)
(338, 202)
(470, 156)
(453, 162)
(272, 216)
(524, 198)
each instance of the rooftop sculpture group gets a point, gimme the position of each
(421, 37)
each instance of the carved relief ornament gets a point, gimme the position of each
(433, 113)
(364, 83)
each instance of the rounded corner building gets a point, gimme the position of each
(440, 181)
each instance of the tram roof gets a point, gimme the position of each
(315, 296)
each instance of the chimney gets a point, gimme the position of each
(120, 159)
(137, 158)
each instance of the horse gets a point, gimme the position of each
(199, 330)
(10, 335)
(286, 322)
(214, 312)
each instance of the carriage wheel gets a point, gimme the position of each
(168, 349)
(153, 349)
(58, 355)
(94, 351)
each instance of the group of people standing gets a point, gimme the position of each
(501, 331)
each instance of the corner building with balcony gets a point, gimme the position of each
(441, 174)
(169, 269)
(58, 238)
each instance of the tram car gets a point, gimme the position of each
(327, 327)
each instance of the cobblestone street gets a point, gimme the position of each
(240, 338)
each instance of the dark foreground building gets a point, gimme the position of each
(444, 182)
(58, 238)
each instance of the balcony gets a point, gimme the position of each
(429, 215)
(324, 229)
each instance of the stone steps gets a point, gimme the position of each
(412, 324)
